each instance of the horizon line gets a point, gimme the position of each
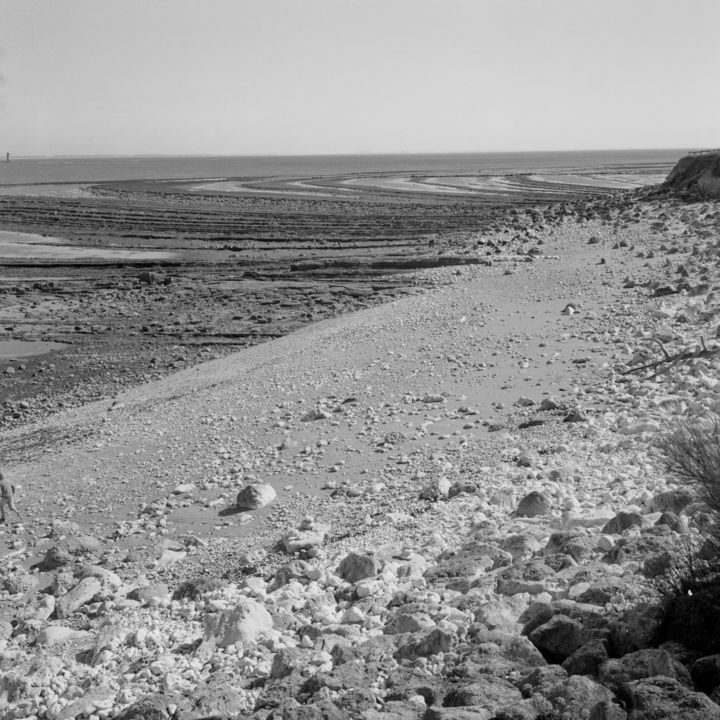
(118, 156)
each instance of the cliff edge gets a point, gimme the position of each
(696, 176)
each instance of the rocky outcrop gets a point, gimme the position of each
(696, 176)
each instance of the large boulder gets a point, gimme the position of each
(558, 638)
(664, 697)
(616, 672)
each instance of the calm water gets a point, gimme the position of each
(44, 170)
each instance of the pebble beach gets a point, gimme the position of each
(452, 505)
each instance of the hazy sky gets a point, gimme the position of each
(328, 76)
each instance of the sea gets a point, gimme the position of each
(27, 170)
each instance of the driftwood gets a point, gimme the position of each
(701, 351)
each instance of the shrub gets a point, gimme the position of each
(693, 454)
(692, 585)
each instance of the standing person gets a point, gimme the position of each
(7, 497)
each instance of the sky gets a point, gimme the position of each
(229, 77)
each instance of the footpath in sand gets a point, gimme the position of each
(472, 486)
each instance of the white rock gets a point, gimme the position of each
(255, 496)
(244, 623)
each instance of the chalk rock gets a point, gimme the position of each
(437, 489)
(150, 594)
(245, 623)
(308, 536)
(61, 635)
(82, 593)
(255, 496)
(99, 698)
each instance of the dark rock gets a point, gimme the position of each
(578, 695)
(412, 646)
(587, 658)
(671, 501)
(195, 588)
(706, 673)
(404, 682)
(692, 619)
(541, 680)
(534, 504)
(355, 567)
(638, 628)
(642, 664)
(621, 522)
(675, 523)
(576, 415)
(570, 542)
(216, 698)
(664, 697)
(149, 707)
(523, 577)
(558, 638)
(487, 692)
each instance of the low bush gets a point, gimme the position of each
(692, 585)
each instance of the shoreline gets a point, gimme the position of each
(414, 431)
